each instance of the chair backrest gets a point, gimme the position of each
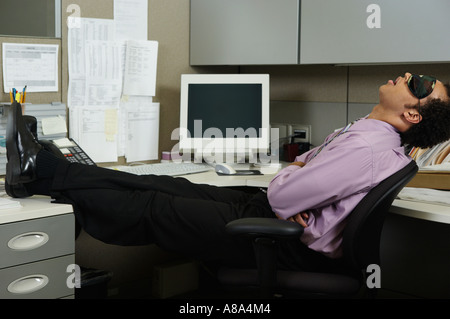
(362, 234)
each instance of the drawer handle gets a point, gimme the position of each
(28, 284)
(28, 241)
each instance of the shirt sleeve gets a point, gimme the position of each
(338, 171)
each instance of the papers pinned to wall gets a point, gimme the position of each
(87, 75)
(95, 130)
(111, 87)
(131, 17)
(31, 65)
(141, 124)
(140, 68)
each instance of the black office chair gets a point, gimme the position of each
(361, 248)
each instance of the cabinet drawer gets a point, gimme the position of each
(42, 279)
(36, 239)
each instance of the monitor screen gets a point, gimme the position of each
(224, 113)
(224, 106)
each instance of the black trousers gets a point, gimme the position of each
(175, 214)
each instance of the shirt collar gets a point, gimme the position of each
(366, 124)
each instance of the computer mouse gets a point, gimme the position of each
(226, 169)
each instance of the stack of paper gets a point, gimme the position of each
(425, 195)
(434, 158)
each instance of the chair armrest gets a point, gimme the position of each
(264, 227)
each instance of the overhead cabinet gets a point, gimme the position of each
(379, 31)
(245, 32)
(238, 32)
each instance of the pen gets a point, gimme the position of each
(24, 94)
(11, 96)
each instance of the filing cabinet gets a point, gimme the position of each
(37, 245)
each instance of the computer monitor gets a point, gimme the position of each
(225, 117)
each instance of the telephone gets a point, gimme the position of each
(69, 149)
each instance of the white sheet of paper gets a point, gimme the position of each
(103, 73)
(142, 132)
(131, 19)
(80, 32)
(54, 125)
(140, 68)
(140, 129)
(33, 65)
(94, 133)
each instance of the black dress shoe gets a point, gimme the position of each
(19, 190)
(21, 148)
(16, 191)
(52, 148)
(31, 124)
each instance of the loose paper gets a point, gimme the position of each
(31, 65)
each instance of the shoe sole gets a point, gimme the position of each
(12, 171)
(16, 191)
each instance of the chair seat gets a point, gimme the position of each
(305, 282)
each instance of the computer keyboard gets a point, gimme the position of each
(170, 168)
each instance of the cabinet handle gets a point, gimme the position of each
(28, 284)
(28, 241)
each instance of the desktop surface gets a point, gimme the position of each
(206, 174)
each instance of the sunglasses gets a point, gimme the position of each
(421, 85)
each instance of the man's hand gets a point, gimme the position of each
(301, 164)
(299, 218)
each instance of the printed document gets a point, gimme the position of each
(95, 130)
(131, 19)
(103, 73)
(141, 128)
(82, 33)
(31, 65)
(140, 68)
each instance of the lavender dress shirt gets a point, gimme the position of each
(331, 184)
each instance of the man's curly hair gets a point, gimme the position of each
(434, 128)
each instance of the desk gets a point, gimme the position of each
(37, 243)
(425, 211)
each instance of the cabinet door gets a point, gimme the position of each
(382, 31)
(238, 32)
